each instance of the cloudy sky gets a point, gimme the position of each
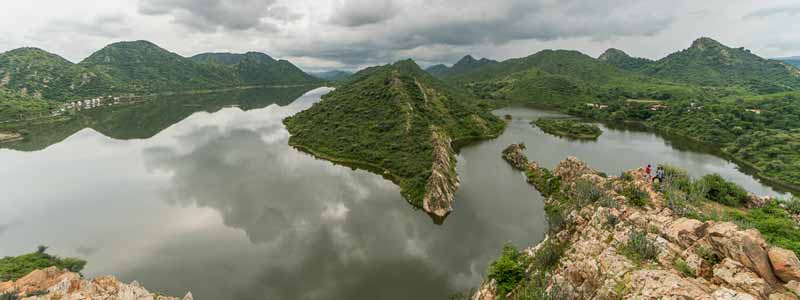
(349, 34)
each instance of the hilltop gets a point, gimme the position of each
(710, 63)
(399, 121)
(465, 65)
(139, 67)
(622, 60)
(333, 75)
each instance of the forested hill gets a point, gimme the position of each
(139, 67)
(400, 121)
(710, 63)
(466, 64)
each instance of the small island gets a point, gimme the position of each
(569, 128)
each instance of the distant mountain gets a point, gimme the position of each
(710, 63)
(466, 64)
(399, 121)
(143, 67)
(622, 60)
(334, 75)
(139, 67)
(794, 60)
(231, 58)
(554, 78)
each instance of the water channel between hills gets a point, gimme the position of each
(215, 202)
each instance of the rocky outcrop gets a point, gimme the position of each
(695, 259)
(55, 284)
(515, 155)
(443, 182)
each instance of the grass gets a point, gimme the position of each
(635, 195)
(684, 268)
(13, 268)
(639, 247)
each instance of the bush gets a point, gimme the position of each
(507, 271)
(635, 195)
(708, 255)
(639, 248)
(586, 192)
(793, 205)
(608, 202)
(723, 191)
(677, 178)
(548, 256)
(9, 296)
(684, 268)
(13, 268)
(612, 220)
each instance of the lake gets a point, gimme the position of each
(202, 193)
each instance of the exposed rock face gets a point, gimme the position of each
(755, 201)
(443, 182)
(515, 156)
(55, 284)
(785, 264)
(717, 259)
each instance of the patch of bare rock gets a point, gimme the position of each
(696, 260)
(55, 284)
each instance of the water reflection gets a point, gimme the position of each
(219, 204)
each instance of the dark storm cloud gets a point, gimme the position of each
(407, 25)
(784, 10)
(211, 15)
(355, 13)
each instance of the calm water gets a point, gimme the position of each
(215, 202)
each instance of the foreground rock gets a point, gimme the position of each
(55, 284)
(693, 259)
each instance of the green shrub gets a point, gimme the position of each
(586, 192)
(13, 268)
(640, 248)
(8, 296)
(684, 268)
(635, 195)
(36, 293)
(774, 223)
(548, 256)
(793, 205)
(723, 191)
(608, 202)
(708, 255)
(676, 178)
(507, 270)
(612, 220)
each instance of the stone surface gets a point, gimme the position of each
(785, 264)
(63, 285)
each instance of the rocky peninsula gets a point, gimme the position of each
(626, 238)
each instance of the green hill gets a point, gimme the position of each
(139, 67)
(399, 121)
(255, 68)
(231, 58)
(37, 73)
(622, 60)
(465, 65)
(710, 63)
(143, 67)
(334, 75)
(562, 78)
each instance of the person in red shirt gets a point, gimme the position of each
(647, 171)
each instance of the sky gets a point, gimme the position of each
(351, 34)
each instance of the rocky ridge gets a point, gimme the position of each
(695, 260)
(55, 284)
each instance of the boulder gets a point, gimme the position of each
(755, 201)
(728, 294)
(571, 169)
(746, 247)
(736, 276)
(782, 296)
(685, 232)
(785, 264)
(794, 287)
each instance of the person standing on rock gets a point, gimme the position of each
(659, 174)
(647, 171)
